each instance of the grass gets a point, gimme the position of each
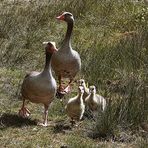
(111, 38)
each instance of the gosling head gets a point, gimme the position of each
(82, 82)
(92, 89)
(50, 47)
(66, 16)
(81, 89)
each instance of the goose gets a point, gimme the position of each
(75, 107)
(66, 63)
(40, 87)
(86, 89)
(95, 101)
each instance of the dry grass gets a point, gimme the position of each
(111, 37)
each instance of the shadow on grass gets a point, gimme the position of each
(61, 127)
(12, 120)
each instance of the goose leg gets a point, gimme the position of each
(60, 91)
(61, 88)
(60, 83)
(24, 112)
(44, 123)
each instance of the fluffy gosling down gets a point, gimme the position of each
(75, 107)
(95, 101)
(86, 89)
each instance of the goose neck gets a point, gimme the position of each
(86, 89)
(47, 67)
(67, 39)
(93, 95)
(80, 96)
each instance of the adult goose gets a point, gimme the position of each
(94, 101)
(75, 107)
(66, 62)
(40, 87)
(86, 89)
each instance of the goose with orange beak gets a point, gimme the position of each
(66, 62)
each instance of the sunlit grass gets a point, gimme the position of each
(111, 38)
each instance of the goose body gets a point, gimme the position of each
(40, 87)
(66, 62)
(75, 107)
(94, 101)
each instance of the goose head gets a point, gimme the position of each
(50, 47)
(66, 16)
(92, 89)
(81, 89)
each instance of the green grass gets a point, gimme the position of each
(111, 38)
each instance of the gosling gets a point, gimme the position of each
(75, 107)
(95, 101)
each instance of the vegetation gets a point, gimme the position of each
(111, 37)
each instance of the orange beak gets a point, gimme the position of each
(61, 17)
(55, 49)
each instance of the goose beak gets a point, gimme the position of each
(61, 17)
(54, 45)
(55, 49)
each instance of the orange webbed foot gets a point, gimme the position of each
(67, 89)
(24, 112)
